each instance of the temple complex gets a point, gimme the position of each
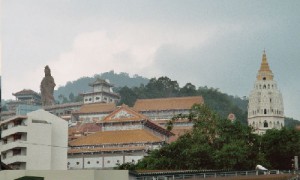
(125, 136)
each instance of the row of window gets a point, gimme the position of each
(99, 99)
(266, 124)
(267, 111)
(265, 86)
(97, 162)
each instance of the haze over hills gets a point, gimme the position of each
(82, 84)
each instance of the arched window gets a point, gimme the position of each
(266, 124)
(265, 111)
(265, 86)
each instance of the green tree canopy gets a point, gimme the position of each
(214, 143)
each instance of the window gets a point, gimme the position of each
(264, 78)
(77, 163)
(68, 163)
(89, 162)
(265, 111)
(16, 152)
(265, 124)
(97, 162)
(108, 161)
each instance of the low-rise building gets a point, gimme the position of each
(166, 108)
(93, 112)
(126, 136)
(26, 96)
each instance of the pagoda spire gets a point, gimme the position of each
(264, 73)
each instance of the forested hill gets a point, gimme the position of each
(137, 87)
(82, 84)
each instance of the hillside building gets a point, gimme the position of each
(64, 111)
(93, 112)
(37, 141)
(125, 136)
(166, 108)
(24, 97)
(102, 92)
(265, 108)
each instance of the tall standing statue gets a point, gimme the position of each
(47, 88)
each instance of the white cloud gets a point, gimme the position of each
(128, 48)
(121, 47)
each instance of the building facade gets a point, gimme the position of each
(265, 108)
(26, 96)
(102, 92)
(125, 136)
(37, 141)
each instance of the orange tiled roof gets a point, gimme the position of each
(167, 103)
(115, 137)
(85, 127)
(96, 108)
(124, 113)
(26, 92)
(85, 150)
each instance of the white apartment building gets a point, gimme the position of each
(37, 141)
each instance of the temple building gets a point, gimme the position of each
(93, 112)
(125, 136)
(102, 92)
(265, 108)
(26, 96)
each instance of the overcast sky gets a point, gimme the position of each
(208, 43)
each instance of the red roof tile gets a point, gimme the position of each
(96, 108)
(124, 113)
(167, 103)
(116, 137)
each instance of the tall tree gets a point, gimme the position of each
(214, 143)
(280, 146)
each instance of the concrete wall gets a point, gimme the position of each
(58, 136)
(67, 175)
(38, 146)
(101, 162)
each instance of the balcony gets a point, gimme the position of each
(14, 159)
(14, 144)
(13, 130)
